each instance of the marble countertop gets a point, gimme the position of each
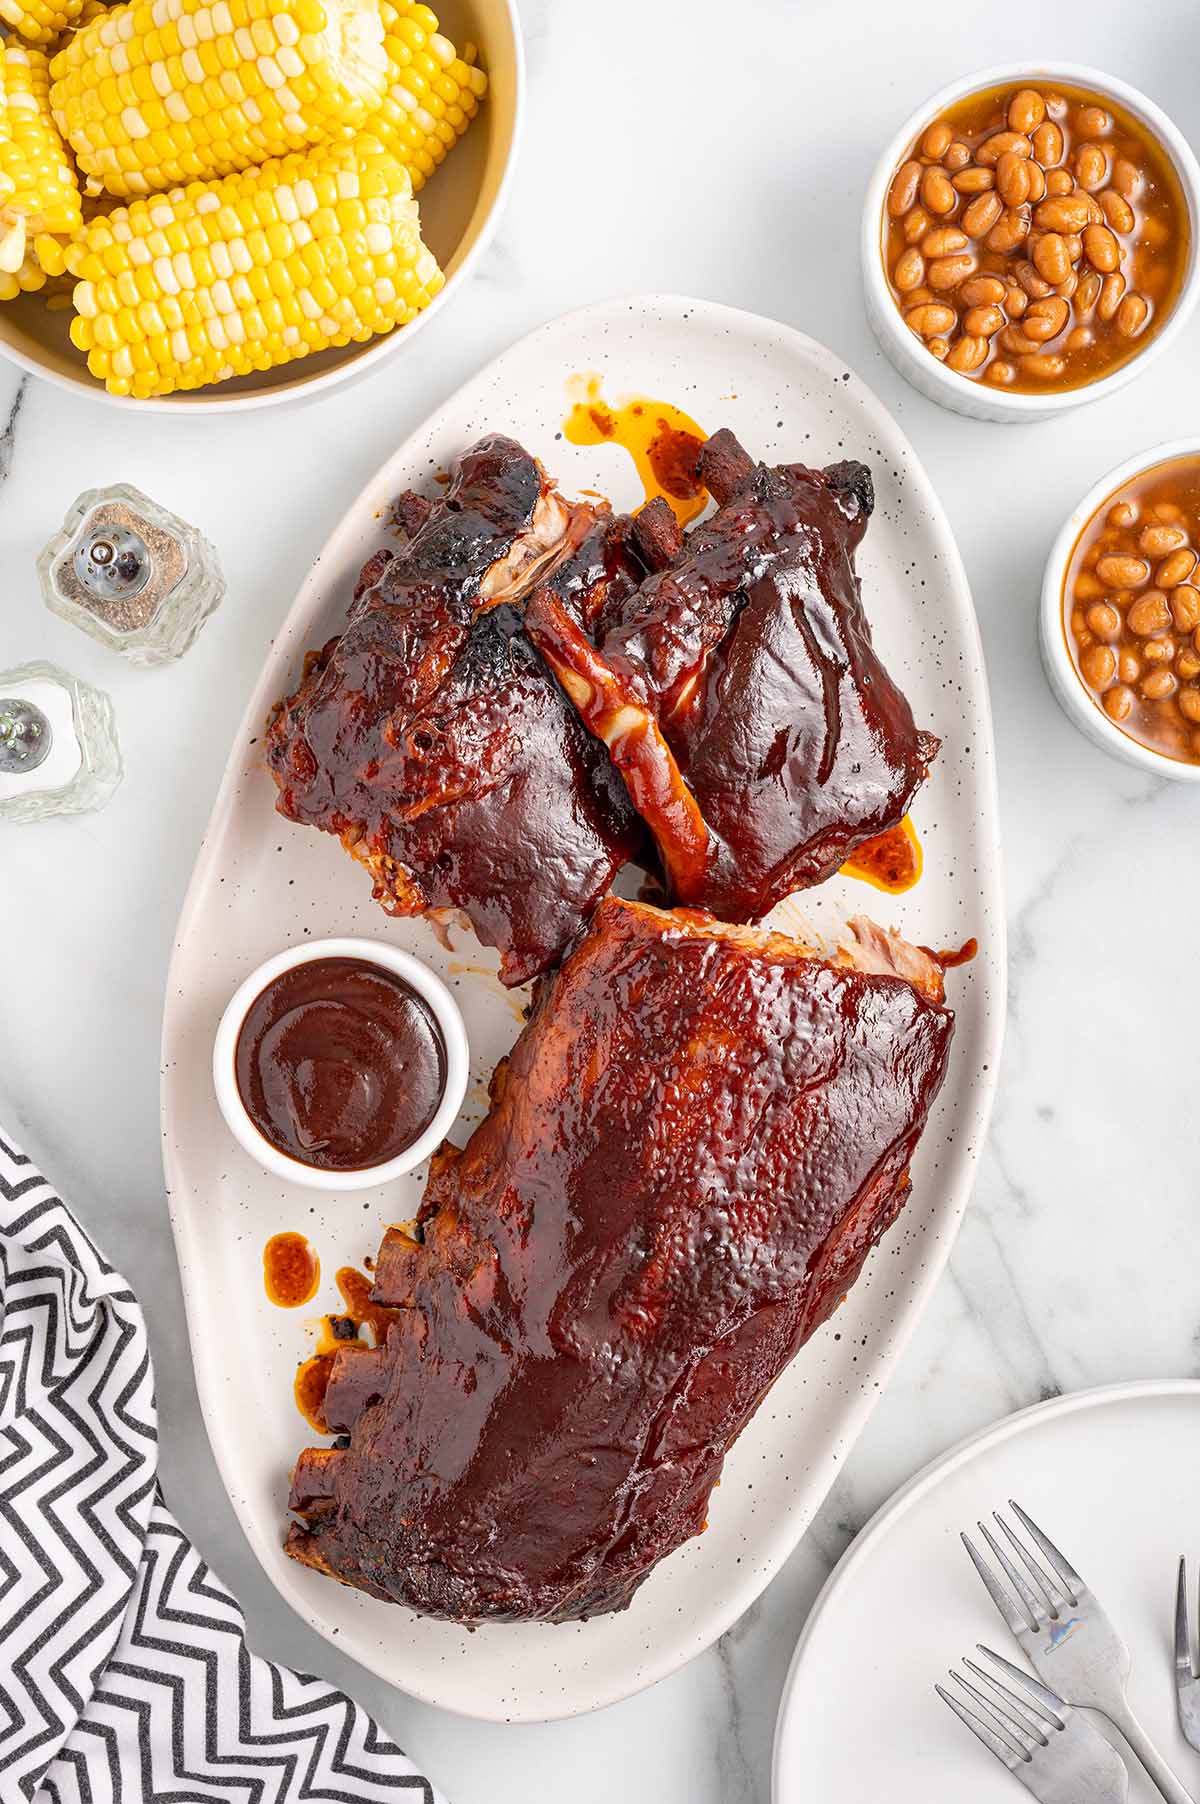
(706, 149)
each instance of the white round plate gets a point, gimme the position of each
(1113, 1477)
(261, 883)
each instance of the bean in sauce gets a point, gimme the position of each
(1035, 238)
(1131, 608)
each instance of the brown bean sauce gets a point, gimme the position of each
(1131, 608)
(1035, 237)
(291, 1270)
(340, 1064)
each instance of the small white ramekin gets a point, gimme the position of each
(1076, 700)
(431, 990)
(962, 394)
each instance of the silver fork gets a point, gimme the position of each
(1187, 1685)
(1066, 1635)
(1048, 1746)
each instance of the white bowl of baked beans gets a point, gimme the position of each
(1029, 240)
(1119, 626)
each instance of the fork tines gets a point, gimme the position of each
(1187, 1685)
(1026, 1605)
(1011, 1724)
(1184, 1674)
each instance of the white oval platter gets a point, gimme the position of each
(261, 883)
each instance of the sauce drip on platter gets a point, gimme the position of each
(663, 441)
(340, 1064)
(291, 1270)
(961, 955)
(892, 861)
(336, 1333)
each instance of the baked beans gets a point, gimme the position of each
(1131, 608)
(1041, 194)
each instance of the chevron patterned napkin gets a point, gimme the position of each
(124, 1672)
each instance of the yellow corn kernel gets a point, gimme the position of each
(39, 195)
(154, 93)
(153, 321)
(433, 92)
(41, 23)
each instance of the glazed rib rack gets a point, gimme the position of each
(696, 1141)
(530, 693)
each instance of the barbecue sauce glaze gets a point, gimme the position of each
(892, 861)
(340, 1064)
(291, 1270)
(663, 441)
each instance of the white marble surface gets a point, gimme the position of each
(669, 146)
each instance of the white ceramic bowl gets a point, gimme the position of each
(460, 209)
(419, 977)
(1077, 701)
(961, 394)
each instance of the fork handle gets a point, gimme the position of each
(1148, 1754)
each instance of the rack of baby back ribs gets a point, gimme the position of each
(704, 1127)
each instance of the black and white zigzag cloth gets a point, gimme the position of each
(124, 1672)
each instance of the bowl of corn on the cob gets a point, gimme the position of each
(230, 203)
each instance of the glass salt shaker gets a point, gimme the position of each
(58, 744)
(131, 574)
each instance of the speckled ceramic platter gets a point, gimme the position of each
(261, 884)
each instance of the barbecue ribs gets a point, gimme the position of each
(714, 696)
(739, 694)
(692, 1147)
(430, 736)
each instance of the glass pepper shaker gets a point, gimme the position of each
(131, 574)
(58, 744)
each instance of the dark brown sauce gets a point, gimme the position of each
(340, 1064)
(291, 1270)
(948, 960)
(339, 1333)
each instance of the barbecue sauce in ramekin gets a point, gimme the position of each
(340, 1064)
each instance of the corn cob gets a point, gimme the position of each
(43, 24)
(53, 279)
(37, 20)
(222, 278)
(433, 92)
(39, 195)
(159, 92)
(88, 10)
